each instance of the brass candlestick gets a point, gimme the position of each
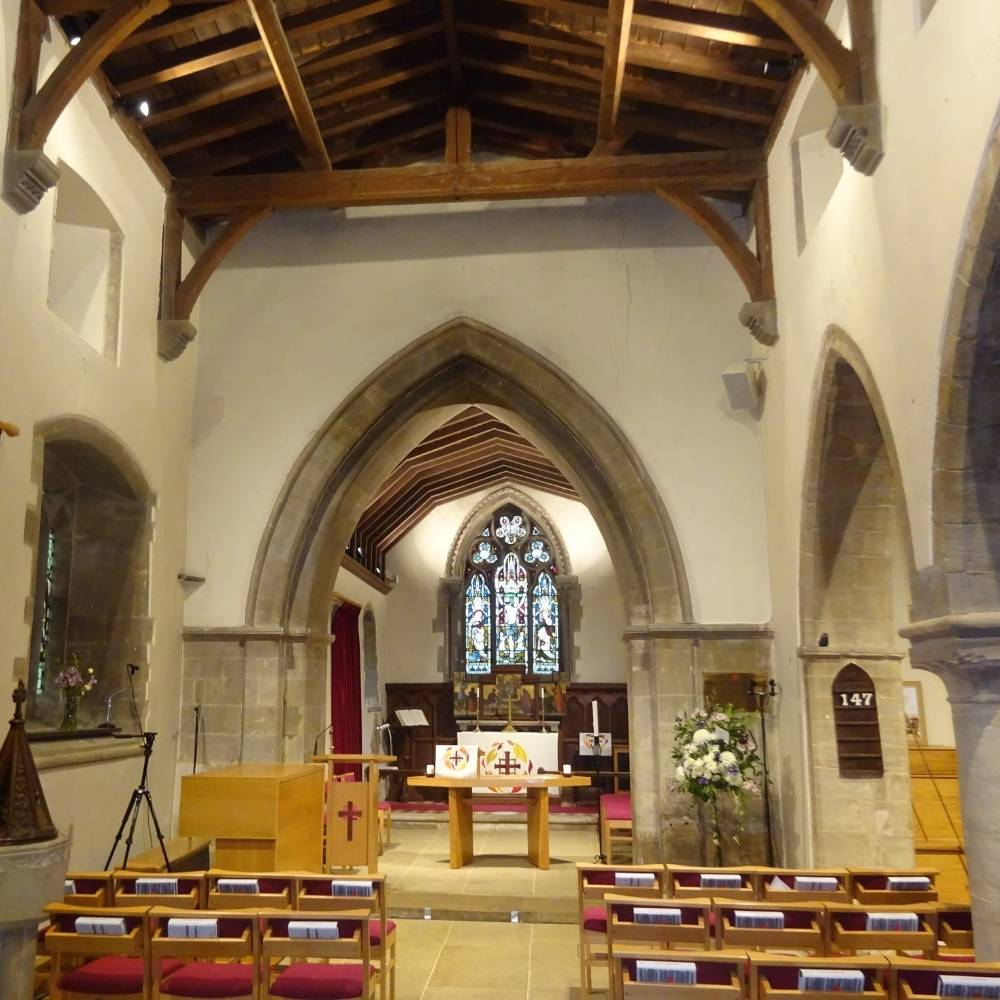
(509, 728)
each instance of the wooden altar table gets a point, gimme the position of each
(460, 810)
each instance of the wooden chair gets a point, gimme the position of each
(718, 975)
(128, 888)
(776, 977)
(315, 893)
(594, 882)
(274, 891)
(632, 923)
(913, 979)
(209, 967)
(295, 968)
(805, 926)
(955, 928)
(799, 889)
(615, 819)
(384, 825)
(849, 931)
(871, 886)
(87, 964)
(695, 881)
(88, 889)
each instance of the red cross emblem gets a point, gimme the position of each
(350, 813)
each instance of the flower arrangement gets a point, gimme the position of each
(715, 754)
(74, 686)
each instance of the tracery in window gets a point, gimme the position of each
(511, 601)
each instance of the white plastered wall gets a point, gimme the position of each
(623, 294)
(414, 651)
(47, 371)
(879, 262)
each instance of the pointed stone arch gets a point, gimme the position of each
(340, 469)
(956, 610)
(461, 361)
(855, 529)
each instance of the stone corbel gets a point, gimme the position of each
(963, 649)
(27, 172)
(849, 74)
(760, 314)
(174, 329)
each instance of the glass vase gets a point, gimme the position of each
(71, 701)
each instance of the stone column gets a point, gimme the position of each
(643, 750)
(964, 650)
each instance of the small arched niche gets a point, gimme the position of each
(85, 266)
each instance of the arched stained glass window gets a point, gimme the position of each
(511, 600)
(478, 618)
(545, 612)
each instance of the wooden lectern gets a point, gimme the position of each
(264, 817)
(352, 812)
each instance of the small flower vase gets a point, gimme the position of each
(71, 701)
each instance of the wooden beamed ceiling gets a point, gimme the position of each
(261, 87)
(470, 452)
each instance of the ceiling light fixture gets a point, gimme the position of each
(75, 40)
(144, 109)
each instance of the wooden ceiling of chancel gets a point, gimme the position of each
(245, 88)
(471, 452)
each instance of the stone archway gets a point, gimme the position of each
(855, 533)
(348, 459)
(956, 609)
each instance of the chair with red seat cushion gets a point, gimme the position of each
(322, 967)
(615, 819)
(216, 967)
(304, 981)
(210, 979)
(94, 965)
(594, 882)
(314, 893)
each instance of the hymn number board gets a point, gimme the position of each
(855, 718)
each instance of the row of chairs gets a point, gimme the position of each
(821, 911)
(737, 975)
(164, 953)
(863, 886)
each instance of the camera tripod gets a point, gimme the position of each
(140, 794)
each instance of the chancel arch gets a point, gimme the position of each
(855, 555)
(341, 469)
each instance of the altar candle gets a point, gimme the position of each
(593, 707)
(567, 769)
(430, 770)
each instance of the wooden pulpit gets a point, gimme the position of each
(352, 812)
(263, 817)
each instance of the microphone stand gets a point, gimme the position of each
(761, 693)
(197, 727)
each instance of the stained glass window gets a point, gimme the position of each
(545, 615)
(511, 598)
(512, 613)
(478, 618)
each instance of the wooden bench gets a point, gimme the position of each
(186, 854)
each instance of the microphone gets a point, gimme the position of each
(318, 735)
(133, 669)
(383, 727)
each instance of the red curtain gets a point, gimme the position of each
(345, 683)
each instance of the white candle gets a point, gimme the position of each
(593, 707)
(567, 769)
(430, 770)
